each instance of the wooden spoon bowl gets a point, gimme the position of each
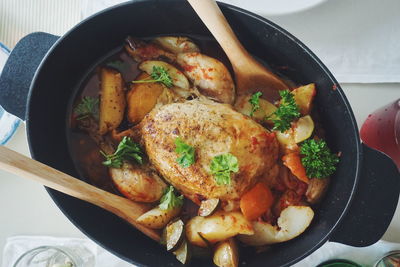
(250, 75)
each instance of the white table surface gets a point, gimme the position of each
(27, 209)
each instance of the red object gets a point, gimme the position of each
(381, 130)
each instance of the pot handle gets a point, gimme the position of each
(374, 202)
(19, 70)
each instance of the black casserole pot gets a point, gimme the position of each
(44, 73)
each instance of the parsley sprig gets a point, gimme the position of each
(287, 111)
(126, 150)
(255, 102)
(186, 152)
(159, 75)
(222, 166)
(169, 200)
(89, 106)
(317, 159)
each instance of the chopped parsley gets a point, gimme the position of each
(169, 200)
(126, 150)
(255, 102)
(317, 159)
(160, 75)
(287, 111)
(89, 106)
(222, 166)
(186, 153)
(117, 64)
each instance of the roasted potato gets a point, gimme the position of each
(210, 75)
(142, 98)
(316, 189)
(217, 227)
(304, 96)
(243, 106)
(303, 128)
(226, 254)
(176, 45)
(178, 78)
(112, 101)
(157, 218)
(138, 183)
(141, 51)
(291, 223)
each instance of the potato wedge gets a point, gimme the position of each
(217, 227)
(178, 78)
(176, 45)
(112, 100)
(157, 218)
(243, 106)
(138, 183)
(292, 222)
(226, 254)
(316, 189)
(304, 96)
(303, 129)
(142, 98)
(210, 75)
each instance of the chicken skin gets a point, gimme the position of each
(212, 129)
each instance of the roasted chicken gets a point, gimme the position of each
(212, 129)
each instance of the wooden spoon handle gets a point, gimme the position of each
(20, 165)
(212, 17)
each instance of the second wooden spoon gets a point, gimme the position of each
(250, 75)
(20, 165)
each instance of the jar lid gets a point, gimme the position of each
(391, 259)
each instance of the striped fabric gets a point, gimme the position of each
(21, 17)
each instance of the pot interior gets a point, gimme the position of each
(76, 53)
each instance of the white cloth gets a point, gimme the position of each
(358, 40)
(91, 254)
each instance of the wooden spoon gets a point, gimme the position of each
(250, 75)
(20, 165)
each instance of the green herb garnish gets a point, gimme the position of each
(159, 75)
(222, 166)
(126, 150)
(169, 200)
(186, 153)
(255, 102)
(89, 106)
(317, 159)
(287, 111)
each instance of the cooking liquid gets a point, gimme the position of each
(381, 130)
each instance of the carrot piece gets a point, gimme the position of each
(256, 201)
(293, 162)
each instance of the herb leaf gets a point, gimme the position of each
(186, 152)
(317, 159)
(117, 64)
(126, 150)
(287, 111)
(89, 106)
(255, 102)
(159, 74)
(169, 200)
(222, 166)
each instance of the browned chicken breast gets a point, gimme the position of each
(212, 129)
